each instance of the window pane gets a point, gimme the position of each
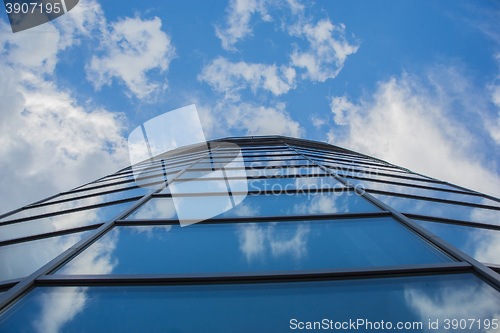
(283, 185)
(77, 203)
(22, 259)
(426, 192)
(393, 179)
(439, 209)
(258, 307)
(271, 172)
(114, 196)
(61, 222)
(274, 185)
(200, 207)
(252, 172)
(78, 193)
(244, 247)
(481, 244)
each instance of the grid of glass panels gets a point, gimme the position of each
(278, 232)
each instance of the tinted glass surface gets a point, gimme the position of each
(481, 244)
(120, 195)
(438, 209)
(61, 222)
(386, 177)
(86, 190)
(243, 247)
(68, 205)
(274, 185)
(254, 307)
(22, 259)
(197, 207)
(426, 192)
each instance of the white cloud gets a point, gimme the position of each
(251, 119)
(86, 19)
(493, 124)
(59, 306)
(50, 143)
(318, 121)
(425, 128)
(327, 52)
(341, 108)
(133, 48)
(324, 57)
(239, 14)
(225, 76)
(262, 242)
(471, 298)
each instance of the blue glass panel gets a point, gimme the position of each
(481, 244)
(261, 185)
(262, 307)
(120, 195)
(61, 222)
(73, 204)
(272, 163)
(252, 172)
(283, 185)
(91, 189)
(292, 171)
(22, 259)
(243, 247)
(425, 192)
(387, 177)
(438, 209)
(198, 207)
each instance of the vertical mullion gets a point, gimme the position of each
(28, 282)
(444, 246)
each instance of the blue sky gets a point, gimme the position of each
(416, 83)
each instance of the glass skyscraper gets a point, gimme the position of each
(254, 234)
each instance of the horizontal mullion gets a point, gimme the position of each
(263, 192)
(426, 180)
(252, 219)
(334, 159)
(418, 197)
(252, 277)
(83, 196)
(452, 221)
(50, 234)
(7, 284)
(457, 191)
(77, 209)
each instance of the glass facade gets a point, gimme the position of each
(269, 234)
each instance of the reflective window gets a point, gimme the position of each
(438, 209)
(243, 247)
(100, 185)
(232, 172)
(108, 197)
(386, 177)
(302, 203)
(481, 244)
(22, 259)
(205, 185)
(259, 307)
(61, 222)
(76, 203)
(292, 171)
(81, 191)
(401, 188)
(260, 163)
(283, 185)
